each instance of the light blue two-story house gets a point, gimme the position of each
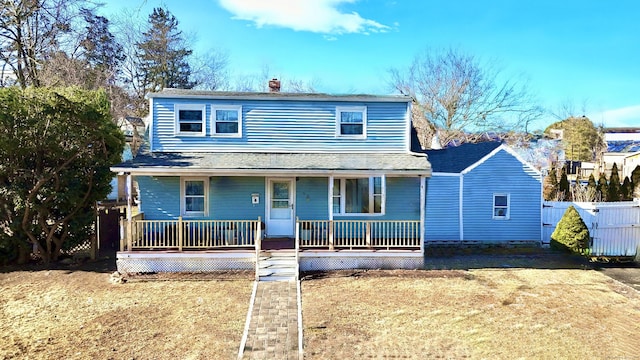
(227, 179)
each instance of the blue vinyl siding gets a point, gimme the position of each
(281, 126)
(230, 198)
(502, 173)
(312, 198)
(159, 197)
(442, 219)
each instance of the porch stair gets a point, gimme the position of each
(277, 265)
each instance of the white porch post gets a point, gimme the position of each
(129, 210)
(423, 193)
(330, 212)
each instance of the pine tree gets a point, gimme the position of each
(591, 185)
(163, 54)
(601, 188)
(100, 47)
(625, 189)
(571, 233)
(563, 185)
(613, 191)
(551, 185)
(635, 182)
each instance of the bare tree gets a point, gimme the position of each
(568, 108)
(30, 31)
(456, 92)
(210, 71)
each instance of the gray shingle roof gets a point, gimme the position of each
(307, 163)
(183, 93)
(456, 159)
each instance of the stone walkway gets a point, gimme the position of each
(273, 328)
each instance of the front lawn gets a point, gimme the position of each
(477, 314)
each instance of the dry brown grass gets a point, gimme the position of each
(480, 314)
(58, 314)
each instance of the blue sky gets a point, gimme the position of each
(581, 52)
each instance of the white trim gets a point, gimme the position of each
(541, 208)
(423, 201)
(461, 207)
(495, 151)
(446, 174)
(176, 118)
(330, 197)
(173, 171)
(237, 108)
(292, 200)
(507, 216)
(183, 211)
(340, 110)
(383, 197)
(407, 119)
(150, 125)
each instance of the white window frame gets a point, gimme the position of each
(183, 197)
(507, 214)
(201, 107)
(237, 108)
(342, 195)
(340, 110)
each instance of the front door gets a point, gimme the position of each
(280, 218)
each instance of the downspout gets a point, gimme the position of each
(460, 206)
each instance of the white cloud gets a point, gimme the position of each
(319, 16)
(623, 117)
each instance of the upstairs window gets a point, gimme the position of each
(501, 206)
(351, 121)
(358, 196)
(190, 119)
(227, 121)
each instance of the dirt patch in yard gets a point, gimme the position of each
(79, 314)
(477, 314)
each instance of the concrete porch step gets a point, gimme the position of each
(278, 265)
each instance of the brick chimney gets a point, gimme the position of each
(274, 85)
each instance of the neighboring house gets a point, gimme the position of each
(228, 175)
(482, 193)
(623, 149)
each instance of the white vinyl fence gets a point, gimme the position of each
(614, 226)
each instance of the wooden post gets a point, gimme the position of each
(129, 234)
(331, 235)
(180, 239)
(122, 234)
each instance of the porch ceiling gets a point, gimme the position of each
(276, 163)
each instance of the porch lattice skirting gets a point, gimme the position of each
(310, 261)
(183, 262)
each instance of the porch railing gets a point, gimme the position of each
(353, 234)
(183, 234)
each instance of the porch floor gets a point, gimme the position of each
(280, 243)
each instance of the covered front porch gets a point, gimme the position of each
(225, 208)
(209, 245)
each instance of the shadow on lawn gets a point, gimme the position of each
(104, 263)
(452, 258)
